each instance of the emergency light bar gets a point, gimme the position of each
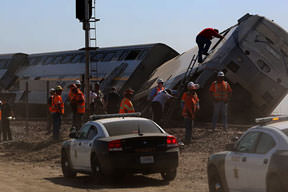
(95, 117)
(270, 119)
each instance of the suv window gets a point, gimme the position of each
(84, 131)
(92, 132)
(248, 143)
(265, 144)
(131, 127)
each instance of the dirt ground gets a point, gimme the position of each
(32, 163)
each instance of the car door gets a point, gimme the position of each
(257, 163)
(86, 147)
(77, 147)
(235, 162)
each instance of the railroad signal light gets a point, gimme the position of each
(80, 9)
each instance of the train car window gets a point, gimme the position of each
(116, 56)
(233, 67)
(78, 59)
(58, 59)
(132, 55)
(108, 57)
(49, 60)
(142, 55)
(4, 63)
(97, 57)
(35, 61)
(124, 55)
(67, 58)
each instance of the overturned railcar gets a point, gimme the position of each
(254, 57)
(119, 67)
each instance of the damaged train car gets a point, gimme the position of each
(254, 58)
(119, 67)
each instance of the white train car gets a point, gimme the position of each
(254, 58)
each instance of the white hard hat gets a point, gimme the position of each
(220, 74)
(77, 82)
(192, 85)
(52, 90)
(160, 81)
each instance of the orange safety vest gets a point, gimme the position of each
(126, 106)
(220, 90)
(57, 105)
(50, 104)
(80, 102)
(190, 104)
(158, 90)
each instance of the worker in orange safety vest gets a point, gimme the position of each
(221, 93)
(78, 109)
(57, 111)
(126, 105)
(190, 105)
(156, 90)
(49, 102)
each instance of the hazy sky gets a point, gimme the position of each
(36, 26)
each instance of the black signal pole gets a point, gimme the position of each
(86, 27)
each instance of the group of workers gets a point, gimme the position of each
(76, 99)
(219, 90)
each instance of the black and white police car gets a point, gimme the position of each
(258, 161)
(120, 144)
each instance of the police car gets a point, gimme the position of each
(258, 161)
(120, 144)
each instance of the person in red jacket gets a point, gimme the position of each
(203, 41)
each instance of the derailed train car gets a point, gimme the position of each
(119, 67)
(254, 58)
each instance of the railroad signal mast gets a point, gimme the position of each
(86, 13)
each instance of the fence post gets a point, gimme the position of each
(48, 112)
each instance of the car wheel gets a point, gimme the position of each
(273, 184)
(169, 175)
(66, 166)
(95, 166)
(215, 183)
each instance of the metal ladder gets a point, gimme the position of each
(93, 41)
(93, 20)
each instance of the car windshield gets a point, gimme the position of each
(285, 131)
(131, 127)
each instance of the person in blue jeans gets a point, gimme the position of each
(221, 93)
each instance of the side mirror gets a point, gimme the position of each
(73, 135)
(230, 147)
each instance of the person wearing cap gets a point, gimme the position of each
(203, 41)
(99, 100)
(221, 93)
(158, 104)
(57, 112)
(126, 105)
(190, 105)
(52, 92)
(156, 90)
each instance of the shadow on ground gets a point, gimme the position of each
(88, 182)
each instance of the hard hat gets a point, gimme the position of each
(220, 74)
(59, 88)
(160, 81)
(216, 30)
(192, 85)
(77, 82)
(51, 90)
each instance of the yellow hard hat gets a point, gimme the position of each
(59, 88)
